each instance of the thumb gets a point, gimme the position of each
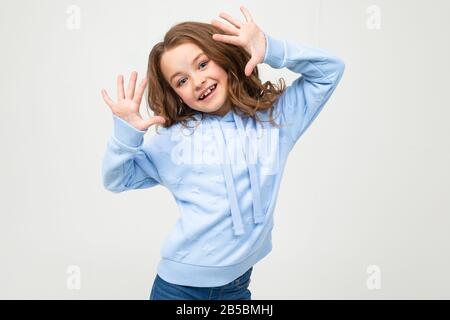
(250, 66)
(155, 120)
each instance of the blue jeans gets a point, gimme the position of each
(234, 290)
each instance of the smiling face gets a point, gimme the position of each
(190, 73)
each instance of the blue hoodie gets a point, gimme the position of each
(224, 172)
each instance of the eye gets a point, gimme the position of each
(179, 83)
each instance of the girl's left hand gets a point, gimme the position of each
(246, 35)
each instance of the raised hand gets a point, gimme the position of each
(128, 103)
(244, 34)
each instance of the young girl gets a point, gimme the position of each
(222, 146)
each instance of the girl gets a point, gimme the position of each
(222, 147)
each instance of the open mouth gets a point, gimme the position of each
(208, 92)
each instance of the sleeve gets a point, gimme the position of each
(303, 100)
(126, 165)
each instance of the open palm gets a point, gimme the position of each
(245, 34)
(128, 103)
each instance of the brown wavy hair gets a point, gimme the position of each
(248, 94)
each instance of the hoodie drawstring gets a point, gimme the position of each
(258, 215)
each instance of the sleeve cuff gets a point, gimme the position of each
(126, 133)
(275, 52)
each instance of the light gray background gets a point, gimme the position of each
(367, 184)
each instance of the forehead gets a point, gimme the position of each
(179, 58)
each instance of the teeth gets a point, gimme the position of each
(207, 92)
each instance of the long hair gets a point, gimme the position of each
(247, 94)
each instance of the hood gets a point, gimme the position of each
(214, 122)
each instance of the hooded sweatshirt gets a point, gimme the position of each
(223, 172)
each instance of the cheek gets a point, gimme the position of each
(184, 94)
(224, 80)
(224, 85)
(192, 97)
(188, 97)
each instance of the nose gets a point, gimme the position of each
(199, 81)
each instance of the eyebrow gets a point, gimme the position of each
(193, 61)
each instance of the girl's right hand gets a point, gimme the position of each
(128, 103)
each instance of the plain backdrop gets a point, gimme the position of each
(365, 194)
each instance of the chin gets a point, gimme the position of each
(209, 109)
(212, 109)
